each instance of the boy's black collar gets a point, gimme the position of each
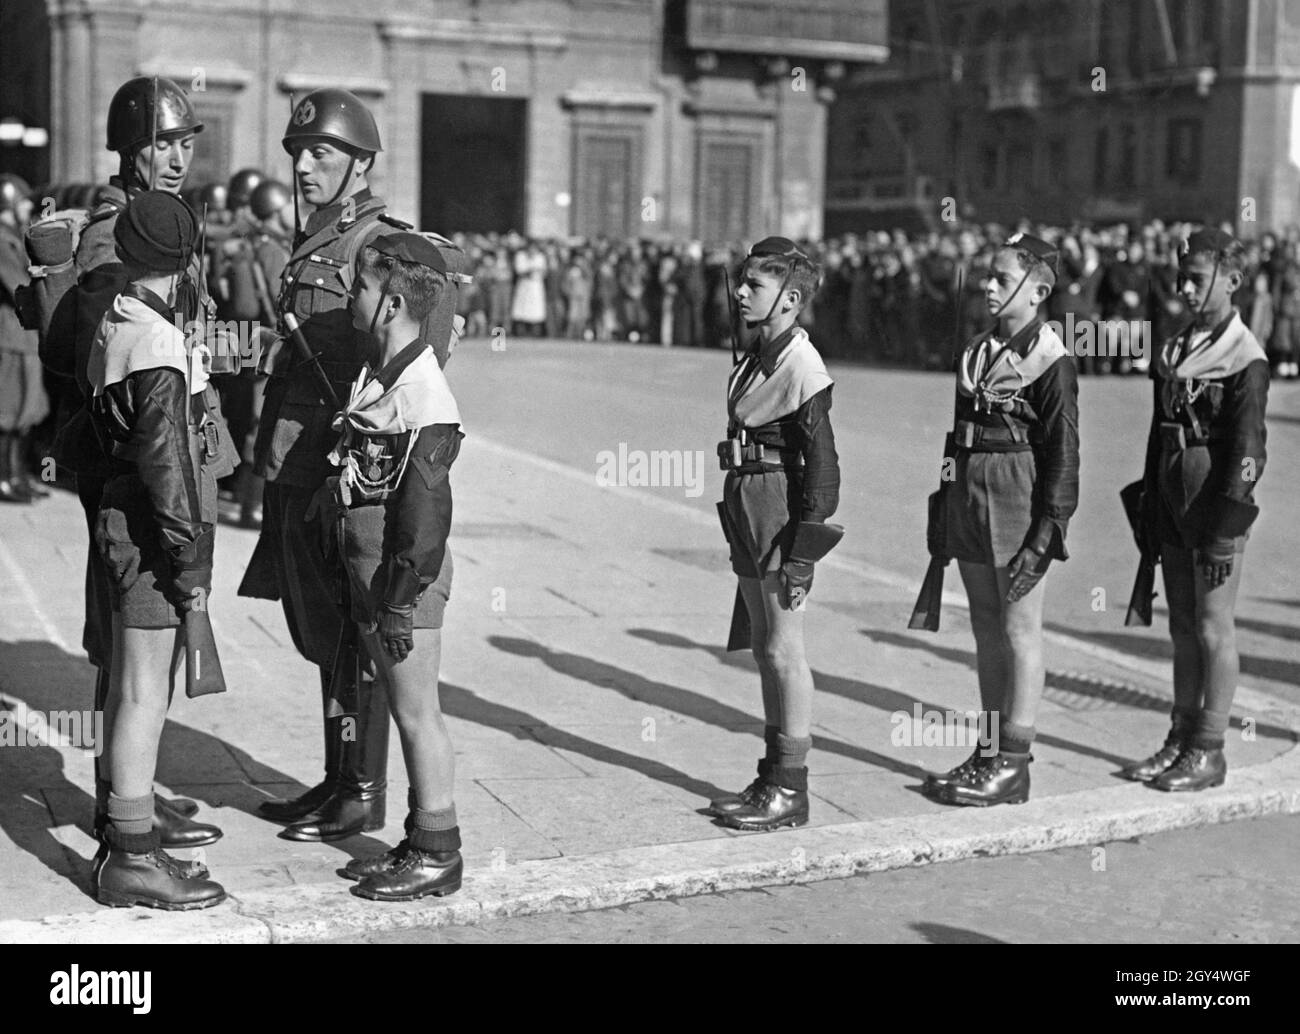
(1023, 336)
(388, 374)
(767, 353)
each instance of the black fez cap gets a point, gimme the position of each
(776, 247)
(1208, 239)
(1036, 246)
(410, 247)
(157, 231)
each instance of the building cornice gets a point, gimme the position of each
(476, 33)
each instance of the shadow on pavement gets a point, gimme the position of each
(882, 697)
(683, 701)
(36, 795)
(458, 702)
(938, 933)
(1134, 699)
(1272, 668)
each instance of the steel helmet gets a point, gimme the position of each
(131, 113)
(13, 188)
(335, 115)
(214, 195)
(269, 197)
(242, 185)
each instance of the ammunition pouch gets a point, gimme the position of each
(813, 540)
(733, 453)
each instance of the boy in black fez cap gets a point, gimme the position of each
(1195, 504)
(1009, 487)
(155, 533)
(782, 485)
(399, 435)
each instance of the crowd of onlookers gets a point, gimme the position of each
(885, 297)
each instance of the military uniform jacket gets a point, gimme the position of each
(295, 436)
(100, 278)
(13, 274)
(1206, 446)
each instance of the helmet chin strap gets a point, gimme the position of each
(1012, 296)
(352, 164)
(383, 293)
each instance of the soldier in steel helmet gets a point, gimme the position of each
(238, 305)
(253, 262)
(333, 140)
(23, 401)
(152, 127)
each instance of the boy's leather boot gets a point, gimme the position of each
(781, 800)
(728, 803)
(1196, 768)
(137, 871)
(1148, 768)
(1000, 779)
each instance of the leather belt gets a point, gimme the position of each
(974, 437)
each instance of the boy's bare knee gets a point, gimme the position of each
(1213, 636)
(783, 654)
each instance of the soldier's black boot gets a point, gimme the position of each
(999, 779)
(10, 490)
(431, 865)
(296, 808)
(137, 871)
(175, 830)
(781, 800)
(358, 806)
(728, 803)
(1196, 768)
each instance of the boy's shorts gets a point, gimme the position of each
(362, 548)
(130, 546)
(759, 522)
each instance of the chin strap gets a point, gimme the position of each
(352, 164)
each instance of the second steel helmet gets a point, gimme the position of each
(335, 115)
(242, 185)
(13, 189)
(131, 112)
(269, 197)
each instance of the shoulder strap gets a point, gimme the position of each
(372, 219)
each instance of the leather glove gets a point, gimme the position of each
(395, 630)
(192, 574)
(796, 580)
(325, 509)
(1215, 562)
(1027, 570)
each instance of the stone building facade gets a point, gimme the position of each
(555, 117)
(1088, 109)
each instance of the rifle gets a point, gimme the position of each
(312, 359)
(929, 602)
(200, 643)
(1144, 584)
